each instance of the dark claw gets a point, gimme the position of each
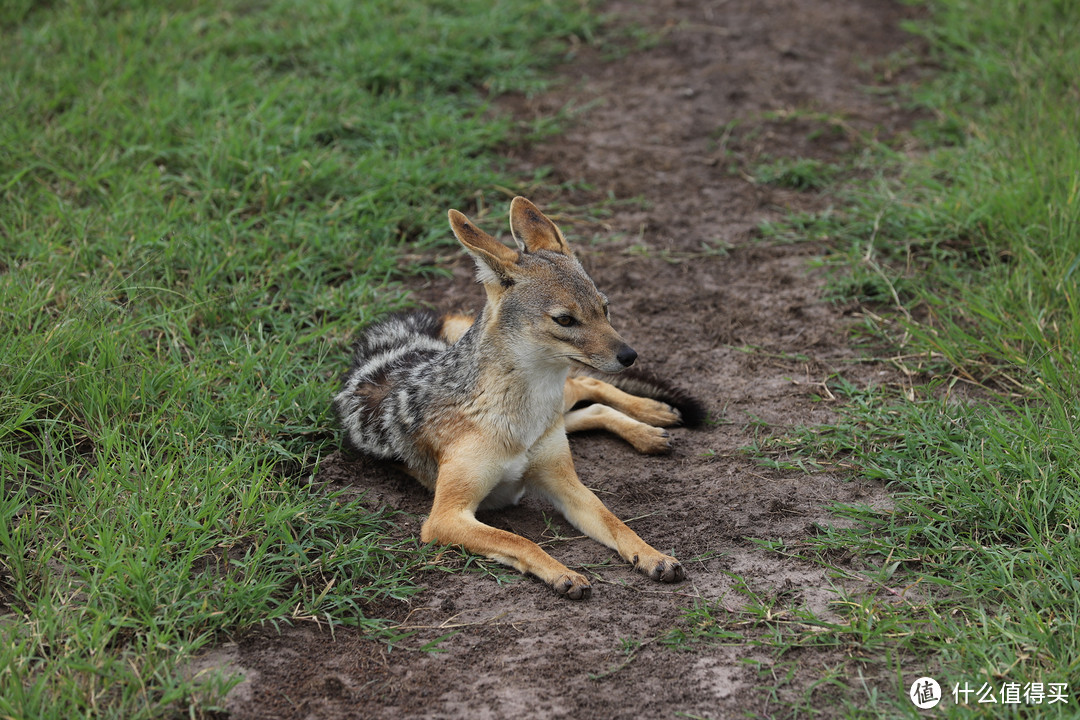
(667, 571)
(575, 591)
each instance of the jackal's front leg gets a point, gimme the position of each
(552, 473)
(463, 482)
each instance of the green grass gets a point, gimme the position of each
(795, 174)
(976, 567)
(968, 258)
(200, 204)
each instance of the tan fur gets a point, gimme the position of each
(454, 325)
(511, 434)
(637, 420)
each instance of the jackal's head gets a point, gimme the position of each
(541, 302)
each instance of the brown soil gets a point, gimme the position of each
(675, 131)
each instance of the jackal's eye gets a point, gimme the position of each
(565, 320)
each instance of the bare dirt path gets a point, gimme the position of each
(739, 322)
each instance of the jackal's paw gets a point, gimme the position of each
(662, 568)
(573, 586)
(656, 413)
(650, 440)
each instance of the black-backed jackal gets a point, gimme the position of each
(478, 411)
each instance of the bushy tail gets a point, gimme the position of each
(643, 384)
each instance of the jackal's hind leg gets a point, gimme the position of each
(582, 388)
(645, 438)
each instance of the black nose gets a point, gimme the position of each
(626, 356)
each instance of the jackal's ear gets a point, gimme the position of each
(533, 230)
(494, 261)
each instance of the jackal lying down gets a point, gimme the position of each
(478, 411)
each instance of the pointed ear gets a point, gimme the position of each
(494, 261)
(533, 230)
